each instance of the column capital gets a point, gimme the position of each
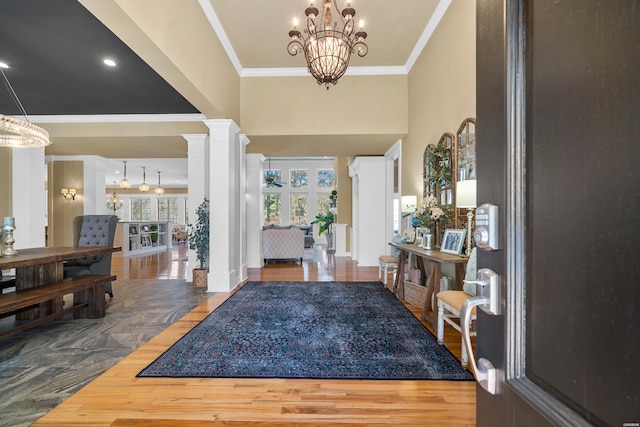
(195, 137)
(222, 124)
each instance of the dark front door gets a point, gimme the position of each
(558, 125)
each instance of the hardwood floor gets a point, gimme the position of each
(118, 398)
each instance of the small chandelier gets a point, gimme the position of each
(144, 187)
(159, 190)
(326, 47)
(114, 202)
(20, 133)
(124, 182)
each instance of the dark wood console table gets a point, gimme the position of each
(436, 258)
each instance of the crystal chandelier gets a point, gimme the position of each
(326, 47)
(20, 133)
(114, 202)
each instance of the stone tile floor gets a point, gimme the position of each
(41, 367)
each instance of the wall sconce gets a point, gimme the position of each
(69, 194)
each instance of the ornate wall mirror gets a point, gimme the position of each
(465, 162)
(466, 156)
(439, 162)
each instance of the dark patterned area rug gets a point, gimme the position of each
(328, 330)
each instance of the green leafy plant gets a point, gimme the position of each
(199, 236)
(438, 162)
(324, 222)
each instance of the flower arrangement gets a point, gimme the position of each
(429, 214)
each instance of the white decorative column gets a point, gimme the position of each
(225, 167)
(29, 197)
(94, 185)
(198, 167)
(340, 239)
(255, 206)
(242, 146)
(369, 209)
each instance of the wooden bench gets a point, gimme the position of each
(7, 282)
(88, 300)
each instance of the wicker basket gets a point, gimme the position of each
(414, 294)
(200, 277)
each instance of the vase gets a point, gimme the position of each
(330, 248)
(427, 241)
(200, 277)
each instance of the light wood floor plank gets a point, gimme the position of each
(118, 399)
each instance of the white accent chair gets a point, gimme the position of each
(282, 243)
(450, 305)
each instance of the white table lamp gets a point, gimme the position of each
(409, 204)
(466, 198)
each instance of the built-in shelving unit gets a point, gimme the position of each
(140, 237)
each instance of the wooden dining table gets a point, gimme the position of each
(436, 259)
(40, 266)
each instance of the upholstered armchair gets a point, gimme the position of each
(92, 230)
(282, 243)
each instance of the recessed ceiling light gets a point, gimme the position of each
(110, 62)
(3, 65)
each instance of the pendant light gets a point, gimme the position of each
(159, 190)
(124, 182)
(144, 187)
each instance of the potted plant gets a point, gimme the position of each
(199, 241)
(324, 222)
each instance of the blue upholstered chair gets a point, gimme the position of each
(92, 230)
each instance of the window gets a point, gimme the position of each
(303, 192)
(168, 210)
(271, 177)
(325, 178)
(140, 209)
(299, 209)
(299, 178)
(324, 203)
(272, 209)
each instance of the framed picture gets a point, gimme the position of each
(452, 241)
(421, 231)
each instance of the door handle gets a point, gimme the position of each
(487, 300)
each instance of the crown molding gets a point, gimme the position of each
(119, 118)
(303, 72)
(428, 31)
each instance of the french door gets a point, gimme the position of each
(558, 120)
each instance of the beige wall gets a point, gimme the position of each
(442, 89)
(63, 174)
(345, 205)
(363, 105)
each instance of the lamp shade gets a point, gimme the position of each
(466, 194)
(409, 204)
